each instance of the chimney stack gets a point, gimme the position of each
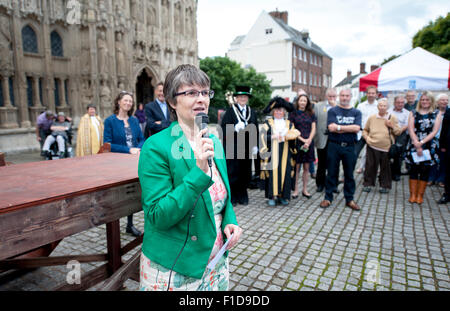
(281, 15)
(362, 68)
(373, 68)
(349, 73)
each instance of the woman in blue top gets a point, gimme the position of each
(123, 132)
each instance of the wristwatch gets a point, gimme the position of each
(339, 128)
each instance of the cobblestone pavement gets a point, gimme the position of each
(389, 245)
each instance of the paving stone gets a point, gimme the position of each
(299, 247)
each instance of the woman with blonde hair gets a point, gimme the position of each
(423, 125)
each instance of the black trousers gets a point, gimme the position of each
(358, 146)
(239, 176)
(336, 154)
(445, 157)
(396, 164)
(321, 172)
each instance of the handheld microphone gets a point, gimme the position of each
(202, 120)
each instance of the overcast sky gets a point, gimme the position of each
(350, 31)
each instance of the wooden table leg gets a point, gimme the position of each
(113, 245)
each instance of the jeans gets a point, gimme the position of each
(337, 153)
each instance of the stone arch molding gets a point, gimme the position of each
(150, 72)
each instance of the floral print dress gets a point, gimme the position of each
(154, 277)
(423, 126)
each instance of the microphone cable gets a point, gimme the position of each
(189, 223)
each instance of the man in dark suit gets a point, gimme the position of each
(240, 141)
(444, 143)
(157, 113)
(321, 137)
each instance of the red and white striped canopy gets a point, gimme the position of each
(416, 70)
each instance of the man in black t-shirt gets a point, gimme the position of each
(343, 122)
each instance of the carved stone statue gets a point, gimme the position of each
(6, 54)
(120, 55)
(103, 53)
(105, 98)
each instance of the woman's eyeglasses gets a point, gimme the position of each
(195, 93)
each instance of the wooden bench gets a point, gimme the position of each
(43, 202)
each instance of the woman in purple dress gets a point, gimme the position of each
(304, 120)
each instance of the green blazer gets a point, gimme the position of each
(170, 182)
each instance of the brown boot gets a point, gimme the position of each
(422, 185)
(413, 184)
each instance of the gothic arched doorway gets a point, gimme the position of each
(144, 88)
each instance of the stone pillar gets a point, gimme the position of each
(63, 107)
(36, 98)
(5, 91)
(8, 113)
(37, 108)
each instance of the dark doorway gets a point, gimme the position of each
(144, 88)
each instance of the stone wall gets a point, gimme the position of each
(64, 54)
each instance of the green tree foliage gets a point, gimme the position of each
(387, 60)
(435, 37)
(225, 74)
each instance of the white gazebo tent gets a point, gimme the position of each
(417, 69)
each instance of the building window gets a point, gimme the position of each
(305, 77)
(295, 52)
(268, 31)
(293, 74)
(57, 44)
(304, 55)
(11, 91)
(57, 102)
(29, 40)
(300, 76)
(30, 91)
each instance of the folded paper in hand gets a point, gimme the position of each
(426, 156)
(216, 258)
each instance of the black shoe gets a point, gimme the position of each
(305, 195)
(283, 201)
(47, 155)
(336, 190)
(243, 201)
(320, 188)
(132, 229)
(444, 200)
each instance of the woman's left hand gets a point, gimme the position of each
(229, 229)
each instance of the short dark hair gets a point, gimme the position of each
(185, 74)
(91, 106)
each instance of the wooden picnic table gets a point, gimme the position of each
(43, 202)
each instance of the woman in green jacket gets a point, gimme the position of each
(187, 208)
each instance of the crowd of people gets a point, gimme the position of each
(191, 179)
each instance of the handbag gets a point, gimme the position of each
(394, 150)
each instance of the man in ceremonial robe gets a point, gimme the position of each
(240, 141)
(90, 133)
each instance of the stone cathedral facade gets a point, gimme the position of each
(63, 54)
